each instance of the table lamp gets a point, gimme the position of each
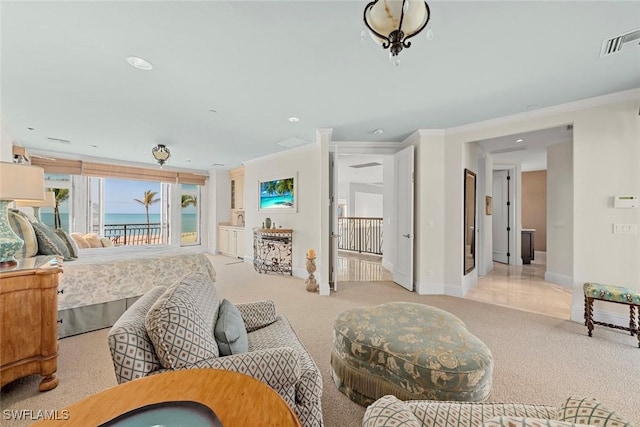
(48, 202)
(17, 182)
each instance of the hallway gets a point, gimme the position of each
(518, 287)
(523, 288)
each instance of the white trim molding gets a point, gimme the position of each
(558, 279)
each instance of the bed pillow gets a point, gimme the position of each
(230, 332)
(180, 323)
(23, 229)
(94, 240)
(590, 411)
(49, 243)
(68, 240)
(80, 240)
(106, 242)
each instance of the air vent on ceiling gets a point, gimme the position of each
(59, 140)
(366, 165)
(508, 150)
(615, 44)
(292, 142)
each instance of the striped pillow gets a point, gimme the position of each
(23, 229)
(69, 242)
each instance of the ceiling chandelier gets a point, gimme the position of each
(394, 22)
(161, 153)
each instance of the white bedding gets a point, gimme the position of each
(102, 275)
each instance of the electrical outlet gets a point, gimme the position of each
(625, 228)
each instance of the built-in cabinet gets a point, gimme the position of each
(231, 241)
(236, 176)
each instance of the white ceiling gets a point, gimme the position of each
(64, 74)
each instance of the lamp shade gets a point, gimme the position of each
(384, 16)
(48, 202)
(21, 182)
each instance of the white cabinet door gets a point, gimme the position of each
(240, 192)
(240, 244)
(223, 240)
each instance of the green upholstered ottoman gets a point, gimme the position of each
(610, 293)
(412, 351)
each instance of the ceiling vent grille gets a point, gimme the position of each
(366, 165)
(58, 140)
(615, 44)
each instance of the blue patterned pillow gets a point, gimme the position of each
(23, 229)
(49, 243)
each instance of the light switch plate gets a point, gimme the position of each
(625, 228)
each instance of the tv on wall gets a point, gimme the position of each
(278, 194)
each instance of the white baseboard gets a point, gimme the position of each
(429, 288)
(387, 265)
(558, 279)
(453, 291)
(577, 315)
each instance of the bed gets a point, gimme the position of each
(102, 283)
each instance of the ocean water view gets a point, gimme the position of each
(188, 220)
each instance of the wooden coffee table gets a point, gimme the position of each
(237, 399)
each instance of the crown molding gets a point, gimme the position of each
(583, 104)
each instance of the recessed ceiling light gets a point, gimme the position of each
(212, 111)
(215, 165)
(519, 140)
(95, 146)
(30, 128)
(139, 63)
(378, 131)
(294, 119)
(188, 161)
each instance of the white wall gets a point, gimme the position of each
(389, 226)
(365, 200)
(560, 214)
(606, 150)
(219, 207)
(304, 222)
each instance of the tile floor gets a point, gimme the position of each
(520, 287)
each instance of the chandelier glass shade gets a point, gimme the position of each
(393, 22)
(161, 153)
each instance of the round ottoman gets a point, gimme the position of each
(412, 351)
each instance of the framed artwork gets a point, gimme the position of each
(278, 193)
(488, 208)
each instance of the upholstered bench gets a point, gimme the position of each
(412, 351)
(617, 294)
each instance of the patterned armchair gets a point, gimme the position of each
(275, 357)
(389, 411)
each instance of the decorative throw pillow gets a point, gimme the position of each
(49, 243)
(389, 411)
(590, 411)
(506, 421)
(106, 242)
(71, 244)
(180, 326)
(230, 332)
(24, 230)
(80, 240)
(93, 239)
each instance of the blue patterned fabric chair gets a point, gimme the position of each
(275, 355)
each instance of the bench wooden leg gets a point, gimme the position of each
(632, 319)
(588, 314)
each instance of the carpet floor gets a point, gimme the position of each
(537, 359)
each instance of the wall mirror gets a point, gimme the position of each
(469, 221)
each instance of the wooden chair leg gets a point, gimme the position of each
(588, 313)
(632, 319)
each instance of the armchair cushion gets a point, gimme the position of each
(230, 332)
(257, 314)
(389, 411)
(180, 326)
(526, 422)
(590, 411)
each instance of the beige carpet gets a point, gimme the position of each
(538, 359)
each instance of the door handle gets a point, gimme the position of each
(406, 235)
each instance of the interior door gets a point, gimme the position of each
(403, 172)
(501, 221)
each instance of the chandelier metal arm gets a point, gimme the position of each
(386, 43)
(405, 41)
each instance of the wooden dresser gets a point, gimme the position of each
(28, 320)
